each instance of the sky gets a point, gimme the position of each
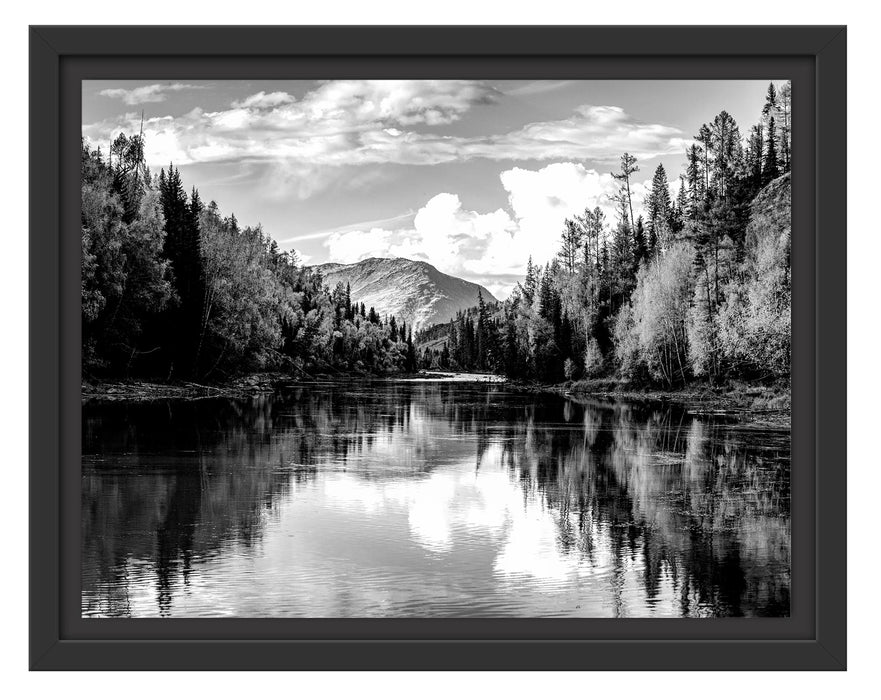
(472, 176)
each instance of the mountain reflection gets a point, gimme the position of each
(414, 499)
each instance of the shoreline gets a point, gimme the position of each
(762, 403)
(733, 397)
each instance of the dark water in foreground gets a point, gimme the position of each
(417, 499)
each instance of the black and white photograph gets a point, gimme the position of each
(436, 348)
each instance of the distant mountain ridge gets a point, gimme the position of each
(410, 290)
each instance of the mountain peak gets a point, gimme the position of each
(414, 291)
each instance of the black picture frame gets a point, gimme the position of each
(813, 637)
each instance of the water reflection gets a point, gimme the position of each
(385, 499)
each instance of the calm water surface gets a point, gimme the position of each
(429, 499)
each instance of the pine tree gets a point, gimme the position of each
(695, 182)
(659, 206)
(183, 249)
(683, 206)
(725, 145)
(640, 245)
(196, 208)
(529, 284)
(628, 167)
(705, 139)
(482, 334)
(572, 239)
(770, 167)
(755, 155)
(622, 252)
(545, 295)
(770, 109)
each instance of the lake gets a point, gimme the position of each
(421, 499)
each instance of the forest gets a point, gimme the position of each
(173, 290)
(697, 286)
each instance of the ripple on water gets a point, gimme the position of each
(430, 500)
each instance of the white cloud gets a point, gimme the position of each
(147, 93)
(353, 246)
(264, 100)
(357, 122)
(448, 236)
(598, 133)
(403, 102)
(492, 248)
(541, 200)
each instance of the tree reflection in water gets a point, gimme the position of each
(695, 509)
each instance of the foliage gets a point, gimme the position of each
(699, 287)
(171, 288)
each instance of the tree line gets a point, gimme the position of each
(172, 289)
(696, 286)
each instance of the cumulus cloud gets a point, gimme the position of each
(158, 92)
(492, 248)
(358, 122)
(352, 246)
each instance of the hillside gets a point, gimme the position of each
(410, 290)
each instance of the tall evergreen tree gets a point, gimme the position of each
(755, 155)
(640, 244)
(695, 181)
(623, 261)
(530, 283)
(183, 249)
(659, 206)
(628, 167)
(482, 333)
(571, 240)
(683, 205)
(771, 166)
(705, 140)
(725, 146)
(770, 108)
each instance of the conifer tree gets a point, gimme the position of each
(628, 167)
(572, 240)
(659, 205)
(755, 155)
(683, 206)
(183, 249)
(530, 283)
(705, 139)
(482, 334)
(695, 181)
(725, 146)
(640, 245)
(770, 167)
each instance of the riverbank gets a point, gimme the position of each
(256, 384)
(773, 401)
(141, 390)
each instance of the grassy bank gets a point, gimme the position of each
(734, 396)
(143, 390)
(247, 385)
